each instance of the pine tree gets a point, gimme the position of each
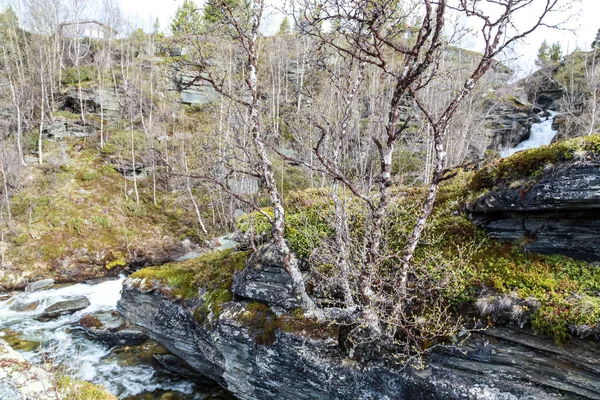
(284, 27)
(596, 42)
(543, 54)
(156, 27)
(555, 52)
(187, 20)
(213, 11)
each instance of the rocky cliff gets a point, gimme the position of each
(559, 214)
(500, 364)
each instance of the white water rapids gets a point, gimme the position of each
(541, 134)
(82, 357)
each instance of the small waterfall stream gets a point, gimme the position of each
(125, 376)
(541, 134)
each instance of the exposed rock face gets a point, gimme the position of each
(94, 101)
(265, 280)
(63, 128)
(510, 123)
(518, 366)
(558, 215)
(65, 307)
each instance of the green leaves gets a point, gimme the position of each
(187, 19)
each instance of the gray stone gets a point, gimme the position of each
(65, 307)
(44, 283)
(558, 215)
(517, 366)
(264, 279)
(113, 330)
(22, 307)
(510, 123)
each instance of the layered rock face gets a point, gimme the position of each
(510, 123)
(500, 364)
(558, 215)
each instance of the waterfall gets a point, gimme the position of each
(541, 134)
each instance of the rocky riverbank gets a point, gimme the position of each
(497, 364)
(20, 380)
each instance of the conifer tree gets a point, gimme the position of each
(596, 42)
(543, 54)
(186, 19)
(555, 52)
(284, 27)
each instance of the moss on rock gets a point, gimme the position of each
(211, 271)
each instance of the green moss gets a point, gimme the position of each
(119, 142)
(75, 389)
(116, 263)
(529, 166)
(305, 227)
(66, 115)
(212, 305)
(212, 271)
(72, 75)
(261, 322)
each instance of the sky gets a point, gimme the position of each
(582, 31)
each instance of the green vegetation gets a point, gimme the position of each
(306, 227)
(66, 114)
(212, 271)
(75, 389)
(72, 76)
(456, 252)
(72, 219)
(527, 167)
(262, 324)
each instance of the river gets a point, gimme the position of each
(121, 370)
(541, 134)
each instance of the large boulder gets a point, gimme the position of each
(44, 283)
(65, 307)
(111, 329)
(264, 279)
(560, 214)
(500, 364)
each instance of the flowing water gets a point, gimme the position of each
(541, 134)
(119, 370)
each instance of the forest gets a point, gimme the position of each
(360, 149)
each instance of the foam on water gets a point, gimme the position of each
(84, 358)
(541, 134)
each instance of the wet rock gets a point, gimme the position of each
(174, 365)
(507, 365)
(111, 329)
(65, 307)
(510, 122)
(44, 283)
(23, 307)
(558, 215)
(15, 341)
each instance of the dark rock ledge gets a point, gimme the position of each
(560, 214)
(497, 364)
